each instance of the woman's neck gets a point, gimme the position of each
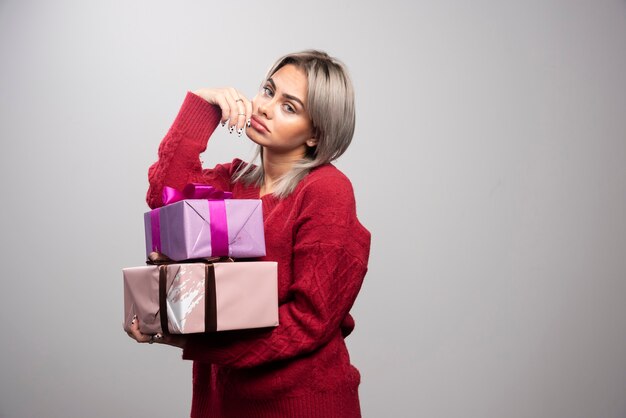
(275, 166)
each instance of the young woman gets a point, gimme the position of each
(302, 119)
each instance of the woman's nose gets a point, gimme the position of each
(263, 107)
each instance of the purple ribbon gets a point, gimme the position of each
(193, 191)
(217, 213)
(219, 228)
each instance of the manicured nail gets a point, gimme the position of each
(248, 123)
(158, 336)
(231, 129)
(223, 122)
(239, 131)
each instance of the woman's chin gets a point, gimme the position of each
(254, 136)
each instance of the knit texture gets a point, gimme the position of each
(301, 368)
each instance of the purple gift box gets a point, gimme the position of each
(199, 297)
(200, 228)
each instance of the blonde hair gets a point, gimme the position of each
(330, 103)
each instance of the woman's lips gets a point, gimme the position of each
(258, 125)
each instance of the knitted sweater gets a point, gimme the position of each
(301, 368)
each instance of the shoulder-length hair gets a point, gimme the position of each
(330, 103)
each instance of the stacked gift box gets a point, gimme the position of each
(193, 281)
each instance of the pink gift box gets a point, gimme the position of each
(199, 297)
(200, 228)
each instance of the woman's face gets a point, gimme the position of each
(280, 121)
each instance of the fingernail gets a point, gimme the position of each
(239, 131)
(248, 123)
(231, 129)
(223, 123)
(158, 336)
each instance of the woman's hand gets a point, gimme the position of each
(236, 108)
(175, 340)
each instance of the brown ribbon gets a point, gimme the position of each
(163, 298)
(210, 299)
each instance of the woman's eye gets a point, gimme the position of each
(289, 108)
(267, 91)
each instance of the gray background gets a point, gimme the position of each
(489, 163)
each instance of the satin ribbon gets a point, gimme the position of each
(193, 191)
(217, 214)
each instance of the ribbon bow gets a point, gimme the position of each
(193, 191)
(217, 214)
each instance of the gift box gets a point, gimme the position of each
(199, 228)
(200, 297)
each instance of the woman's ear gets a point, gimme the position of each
(311, 142)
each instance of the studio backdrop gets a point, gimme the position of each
(489, 164)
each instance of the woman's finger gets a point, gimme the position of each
(225, 106)
(233, 106)
(225, 101)
(240, 104)
(135, 334)
(245, 112)
(248, 104)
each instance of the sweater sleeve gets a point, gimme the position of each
(329, 264)
(179, 153)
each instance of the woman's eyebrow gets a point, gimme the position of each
(288, 96)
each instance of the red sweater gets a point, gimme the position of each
(301, 368)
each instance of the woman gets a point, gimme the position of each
(301, 119)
